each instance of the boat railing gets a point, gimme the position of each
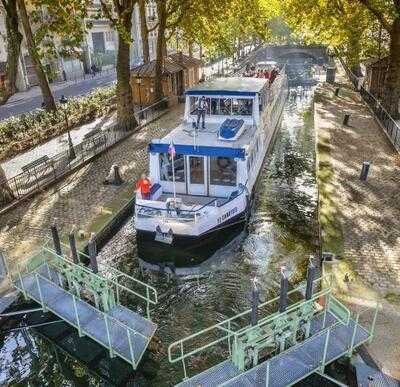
(189, 215)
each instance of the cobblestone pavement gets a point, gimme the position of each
(369, 211)
(82, 196)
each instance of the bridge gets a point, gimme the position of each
(278, 349)
(281, 53)
(96, 304)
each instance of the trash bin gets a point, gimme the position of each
(330, 74)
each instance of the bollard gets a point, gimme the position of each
(255, 298)
(72, 245)
(283, 292)
(114, 176)
(337, 90)
(56, 238)
(364, 171)
(310, 279)
(93, 253)
(346, 119)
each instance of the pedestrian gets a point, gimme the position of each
(143, 186)
(202, 106)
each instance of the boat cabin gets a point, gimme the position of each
(214, 162)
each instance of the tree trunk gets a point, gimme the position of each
(48, 99)
(190, 49)
(6, 194)
(162, 20)
(392, 81)
(14, 39)
(125, 107)
(144, 31)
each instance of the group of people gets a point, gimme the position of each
(267, 74)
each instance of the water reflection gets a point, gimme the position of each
(281, 232)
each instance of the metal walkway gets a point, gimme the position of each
(90, 302)
(297, 342)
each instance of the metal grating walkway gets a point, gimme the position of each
(123, 332)
(292, 365)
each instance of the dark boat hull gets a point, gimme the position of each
(186, 250)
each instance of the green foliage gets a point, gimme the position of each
(22, 132)
(59, 26)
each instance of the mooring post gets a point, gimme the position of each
(93, 253)
(283, 292)
(346, 119)
(364, 171)
(72, 244)
(310, 279)
(255, 297)
(56, 238)
(337, 90)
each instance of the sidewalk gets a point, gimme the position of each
(361, 220)
(82, 199)
(35, 91)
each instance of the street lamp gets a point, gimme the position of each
(72, 154)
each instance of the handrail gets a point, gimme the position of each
(91, 306)
(229, 320)
(118, 272)
(243, 188)
(90, 272)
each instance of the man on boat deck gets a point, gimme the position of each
(202, 106)
(143, 186)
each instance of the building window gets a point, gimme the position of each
(109, 36)
(223, 171)
(166, 168)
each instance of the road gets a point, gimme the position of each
(32, 99)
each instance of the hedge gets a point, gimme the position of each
(20, 133)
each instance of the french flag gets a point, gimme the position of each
(171, 150)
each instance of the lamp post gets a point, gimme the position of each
(139, 83)
(72, 154)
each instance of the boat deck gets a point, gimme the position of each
(194, 200)
(290, 366)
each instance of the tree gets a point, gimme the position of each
(349, 25)
(119, 12)
(14, 39)
(144, 31)
(6, 194)
(48, 99)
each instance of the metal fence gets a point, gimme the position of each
(389, 125)
(45, 171)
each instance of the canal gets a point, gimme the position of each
(282, 232)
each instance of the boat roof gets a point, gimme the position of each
(206, 142)
(229, 86)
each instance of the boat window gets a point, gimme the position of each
(225, 106)
(196, 170)
(221, 106)
(242, 107)
(223, 171)
(166, 167)
(193, 101)
(193, 105)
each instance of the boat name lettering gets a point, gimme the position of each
(227, 215)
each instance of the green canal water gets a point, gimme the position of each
(282, 232)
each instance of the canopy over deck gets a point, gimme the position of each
(239, 86)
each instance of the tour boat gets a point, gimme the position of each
(203, 179)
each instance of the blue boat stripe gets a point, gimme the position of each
(221, 93)
(199, 150)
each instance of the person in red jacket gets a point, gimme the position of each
(143, 186)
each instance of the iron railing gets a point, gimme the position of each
(39, 175)
(386, 121)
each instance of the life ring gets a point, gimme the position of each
(223, 162)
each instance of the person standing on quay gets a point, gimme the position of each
(143, 186)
